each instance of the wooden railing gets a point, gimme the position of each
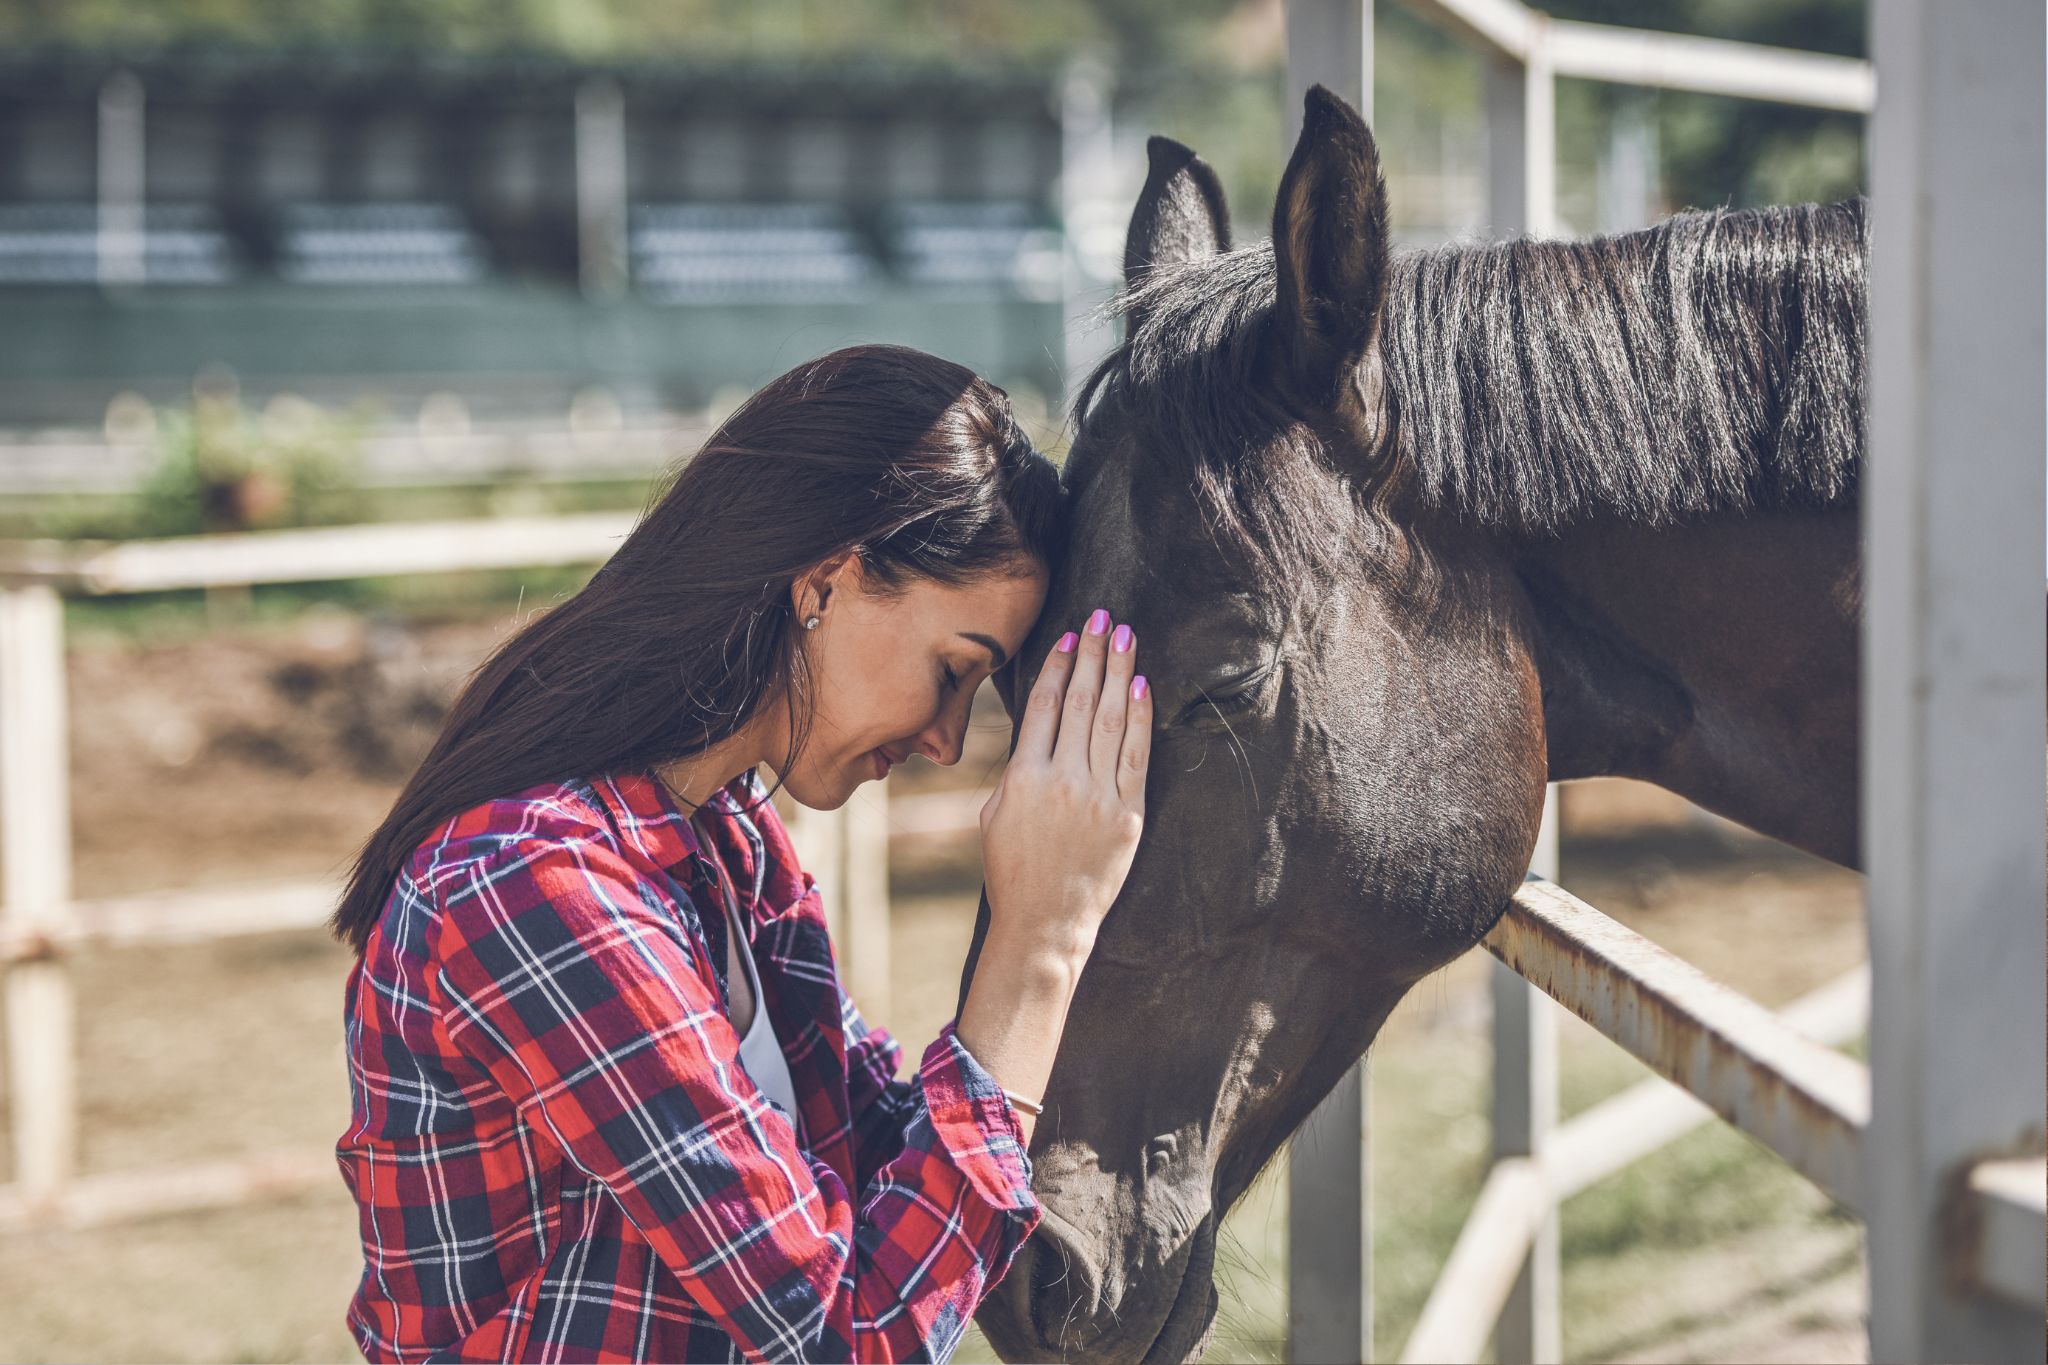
(42, 924)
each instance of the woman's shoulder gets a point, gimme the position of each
(568, 813)
(633, 816)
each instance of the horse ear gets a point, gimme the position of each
(1330, 247)
(1180, 216)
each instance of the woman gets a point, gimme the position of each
(610, 1101)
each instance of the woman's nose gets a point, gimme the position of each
(943, 741)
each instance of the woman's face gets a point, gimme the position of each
(893, 676)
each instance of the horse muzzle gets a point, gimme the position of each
(1055, 1304)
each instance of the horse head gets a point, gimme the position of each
(1349, 762)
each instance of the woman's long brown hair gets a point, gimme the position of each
(687, 631)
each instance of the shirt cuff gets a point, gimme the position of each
(975, 1121)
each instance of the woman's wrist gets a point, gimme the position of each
(1038, 952)
(1016, 1007)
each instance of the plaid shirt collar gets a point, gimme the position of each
(650, 819)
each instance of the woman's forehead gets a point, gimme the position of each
(1002, 606)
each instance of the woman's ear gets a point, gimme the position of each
(811, 592)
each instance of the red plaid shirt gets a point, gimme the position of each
(557, 1155)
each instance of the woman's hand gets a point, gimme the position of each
(1060, 830)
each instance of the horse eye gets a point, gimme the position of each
(1232, 697)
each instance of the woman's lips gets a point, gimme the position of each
(881, 762)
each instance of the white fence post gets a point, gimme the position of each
(1329, 43)
(1091, 222)
(1521, 189)
(120, 185)
(1953, 645)
(1329, 1227)
(864, 882)
(1329, 1181)
(846, 851)
(819, 836)
(1521, 140)
(1524, 1113)
(35, 885)
(601, 188)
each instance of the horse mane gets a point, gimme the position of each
(1710, 364)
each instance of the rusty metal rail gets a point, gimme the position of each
(1808, 1103)
(1520, 1192)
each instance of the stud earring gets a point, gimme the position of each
(810, 623)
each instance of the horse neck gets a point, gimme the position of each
(1718, 660)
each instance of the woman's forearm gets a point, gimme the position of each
(1016, 1010)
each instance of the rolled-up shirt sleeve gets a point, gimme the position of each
(566, 974)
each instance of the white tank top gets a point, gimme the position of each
(760, 1050)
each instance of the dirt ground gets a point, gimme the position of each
(267, 753)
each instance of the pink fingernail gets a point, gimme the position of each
(1139, 687)
(1067, 643)
(1099, 622)
(1121, 641)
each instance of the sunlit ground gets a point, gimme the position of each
(1710, 1250)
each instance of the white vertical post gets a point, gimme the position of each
(864, 843)
(846, 851)
(820, 839)
(1329, 1228)
(1953, 734)
(601, 187)
(1521, 137)
(119, 237)
(1329, 43)
(35, 884)
(1521, 187)
(1329, 1181)
(1089, 221)
(1524, 1113)
(1628, 167)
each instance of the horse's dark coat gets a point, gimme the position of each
(1402, 537)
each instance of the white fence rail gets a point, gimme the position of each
(54, 462)
(42, 924)
(1957, 1219)
(1717, 1054)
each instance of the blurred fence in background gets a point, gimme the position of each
(42, 924)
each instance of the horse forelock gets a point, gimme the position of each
(1196, 403)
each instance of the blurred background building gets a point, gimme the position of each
(510, 230)
(558, 240)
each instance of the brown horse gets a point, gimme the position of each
(1402, 538)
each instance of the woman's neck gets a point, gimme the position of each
(695, 779)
